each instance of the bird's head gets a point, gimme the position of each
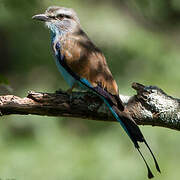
(59, 19)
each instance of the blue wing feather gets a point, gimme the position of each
(116, 116)
(88, 84)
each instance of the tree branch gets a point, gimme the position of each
(151, 106)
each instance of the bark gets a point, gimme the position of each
(150, 106)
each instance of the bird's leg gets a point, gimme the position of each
(59, 91)
(69, 91)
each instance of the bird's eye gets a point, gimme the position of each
(67, 16)
(60, 16)
(53, 17)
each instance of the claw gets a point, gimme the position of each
(59, 91)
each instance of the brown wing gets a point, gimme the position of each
(88, 61)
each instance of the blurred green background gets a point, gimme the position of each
(141, 40)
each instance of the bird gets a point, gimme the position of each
(84, 67)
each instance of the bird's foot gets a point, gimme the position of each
(69, 91)
(59, 91)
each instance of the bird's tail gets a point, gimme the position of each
(116, 106)
(133, 132)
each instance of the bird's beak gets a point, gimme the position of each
(41, 17)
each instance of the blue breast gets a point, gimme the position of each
(59, 58)
(67, 77)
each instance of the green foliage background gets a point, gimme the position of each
(141, 42)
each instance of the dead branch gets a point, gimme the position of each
(151, 106)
